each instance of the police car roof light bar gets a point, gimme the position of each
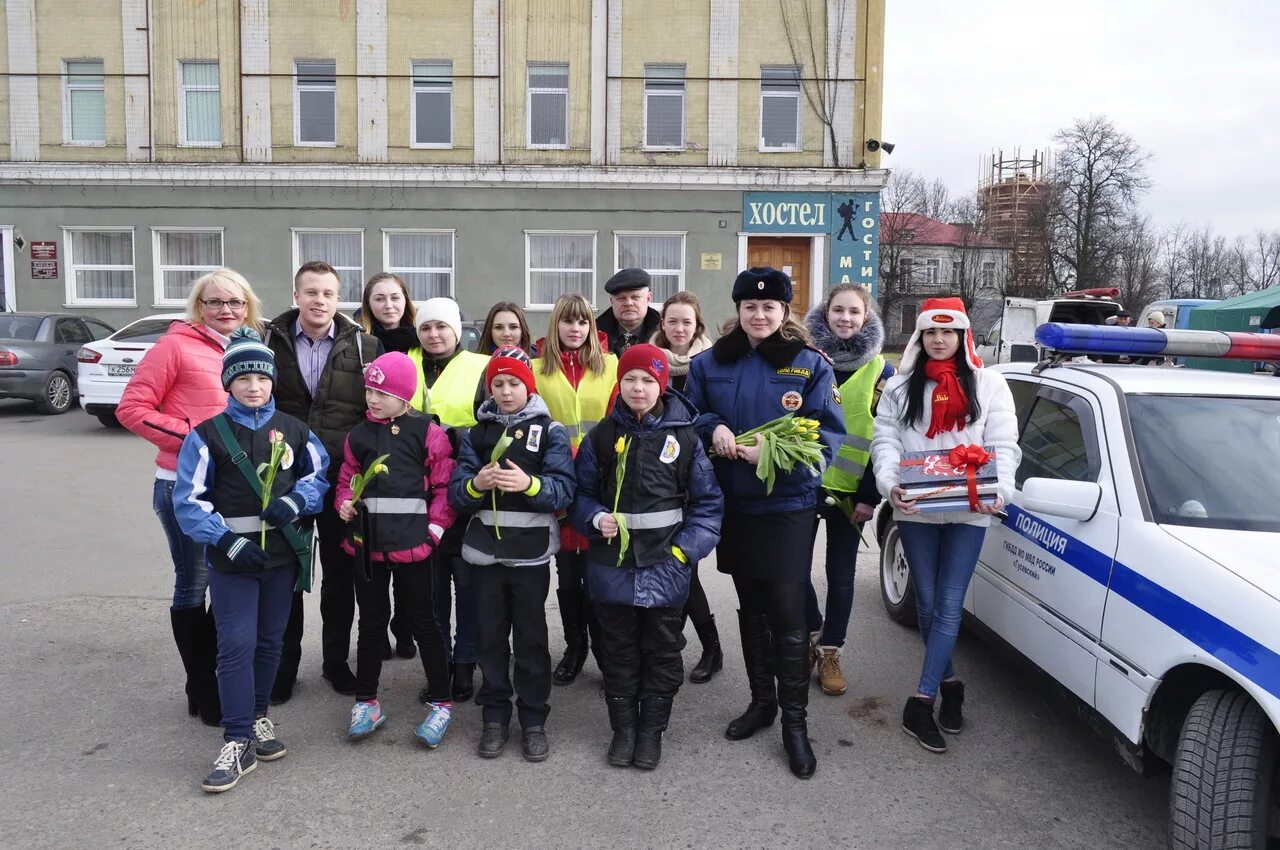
(1140, 342)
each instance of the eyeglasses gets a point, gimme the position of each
(218, 303)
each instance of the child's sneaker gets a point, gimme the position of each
(236, 759)
(431, 732)
(266, 745)
(366, 717)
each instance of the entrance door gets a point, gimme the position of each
(791, 255)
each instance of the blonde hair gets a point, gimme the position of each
(228, 279)
(790, 329)
(572, 307)
(410, 317)
(699, 327)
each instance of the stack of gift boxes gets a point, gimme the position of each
(936, 485)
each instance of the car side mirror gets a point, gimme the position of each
(1057, 497)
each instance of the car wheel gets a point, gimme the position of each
(895, 579)
(1224, 776)
(109, 420)
(58, 394)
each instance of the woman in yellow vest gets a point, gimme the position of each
(451, 387)
(576, 377)
(848, 330)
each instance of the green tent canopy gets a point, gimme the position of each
(1244, 313)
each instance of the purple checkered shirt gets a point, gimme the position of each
(312, 354)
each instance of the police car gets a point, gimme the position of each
(1139, 563)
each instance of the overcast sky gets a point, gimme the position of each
(1196, 84)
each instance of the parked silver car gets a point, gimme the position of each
(38, 356)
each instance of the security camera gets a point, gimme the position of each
(874, 145)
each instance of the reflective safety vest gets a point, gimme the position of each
(854, 452)
(396, 501)
(517, 533)
(582, 409)
(453, 398)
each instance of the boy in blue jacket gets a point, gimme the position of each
(250, 584)
(650, 506)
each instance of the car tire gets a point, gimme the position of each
(1224, 775)
(109, 420)
(896, 592)
(59, 394)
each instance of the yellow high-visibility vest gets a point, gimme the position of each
(582, 409)
(453, 397)
(851, 458)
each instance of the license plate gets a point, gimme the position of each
(121, 371)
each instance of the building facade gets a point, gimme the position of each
(484, 149)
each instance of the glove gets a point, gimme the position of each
(280, 511)
(242, 551)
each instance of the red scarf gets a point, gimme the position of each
(950, 404)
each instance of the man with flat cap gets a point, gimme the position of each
(629, 319)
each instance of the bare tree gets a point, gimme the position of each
(967, 256)
(1137, 264)
(1264, 262)
(805, 36)
(1172, 246)
(905, 202)
(1205, 260)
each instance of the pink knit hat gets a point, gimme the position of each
(394, 374)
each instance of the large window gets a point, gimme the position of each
(199, 105)
(84, 104)
(660, 254)
(664, 107)
(181, 256)
(779, 109)
(342, 249)
(926, 271)
(423, 260)
(431, 110)
(988, 275)
(315, 102)
(907, 318)
(100, 265)
(548, 106)
(557, 263)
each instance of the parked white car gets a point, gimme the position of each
(1138, 565)
(106, 366)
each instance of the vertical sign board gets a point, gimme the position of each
(852, 220)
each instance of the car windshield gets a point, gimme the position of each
(143, 330)
(1209, 462)
(19, 327)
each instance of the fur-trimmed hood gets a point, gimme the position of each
(848, 355)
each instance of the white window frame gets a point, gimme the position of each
(183, 89)
(70, 268)
(530, 91)
(413, 106)
(684, 248)
(297, 104)
(660, 92)
(387, 232)
(529, 304)
(67, 88)
(798, 94)
(932, 271)
(297, 260)
(158, 269)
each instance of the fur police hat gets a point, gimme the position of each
(762, 282)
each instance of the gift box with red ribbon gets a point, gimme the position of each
(954, 480)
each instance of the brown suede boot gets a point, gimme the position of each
(830, 677)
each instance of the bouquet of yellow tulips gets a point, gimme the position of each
(785, 442)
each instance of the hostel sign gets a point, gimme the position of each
(852, 221)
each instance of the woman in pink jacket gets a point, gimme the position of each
(177, 386)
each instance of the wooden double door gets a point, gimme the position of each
(791, 255)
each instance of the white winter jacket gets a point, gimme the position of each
(995, 428)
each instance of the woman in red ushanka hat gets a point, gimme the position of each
(942, 399)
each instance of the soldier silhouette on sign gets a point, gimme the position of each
(846, 211)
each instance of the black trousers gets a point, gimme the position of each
(337, 600)
(697, 608)
(514, 601)
(782, 602)
(642, 650)
(415, 579)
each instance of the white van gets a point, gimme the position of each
(1013, 339)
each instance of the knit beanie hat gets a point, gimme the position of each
(510, 360)
(247, 354)
(946, 313)
(441, 310)
(394, 374)
(762, 282)
(646, 358)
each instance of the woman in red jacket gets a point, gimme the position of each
(177, 386)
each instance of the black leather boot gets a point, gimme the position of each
(757, 654)
(575, 637)
(712, 659)
(593, 629)
(654, 714)
(624, 719)
(791, 661)
(464, 681)
(197, 640)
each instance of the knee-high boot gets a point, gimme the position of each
(712, 658)
(197, 639)
(757, 653)
(575, 636)
(790, 658)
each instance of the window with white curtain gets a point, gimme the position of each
(780, 108)
(84, 104)
(664, 107)
(558, 263)
(342, 249)
(660, 254)
(181, 256)
(988, 275)
(199, 105)
(100, 266)
(432, 105)
(423, 260)
(315, 102)
(548, 105)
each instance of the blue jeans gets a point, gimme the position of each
(251, 610)
(190, 571)
(941, 557)
(842, 560)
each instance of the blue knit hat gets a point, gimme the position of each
(247, 354)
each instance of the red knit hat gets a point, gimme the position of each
(646, 358)
(510, 360)
(394, 374)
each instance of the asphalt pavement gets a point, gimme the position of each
(98, 750)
